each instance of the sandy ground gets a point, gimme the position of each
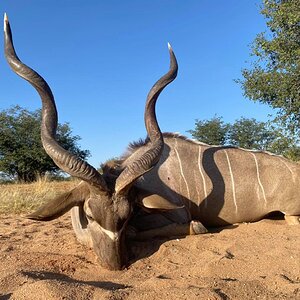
(249, 261)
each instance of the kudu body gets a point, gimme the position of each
(167, 185)
(220, 185)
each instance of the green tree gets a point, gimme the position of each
(251, 134)
(213, 131)
(21, 153)
(285, 144)
(274, 76)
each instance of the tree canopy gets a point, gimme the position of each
(246, 133)
(213, 131)
(21, 152)
(274, 76)
(250, 134)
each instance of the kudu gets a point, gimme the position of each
(166, 185)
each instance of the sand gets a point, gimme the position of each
(43, 260)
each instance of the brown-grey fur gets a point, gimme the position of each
(221, 185)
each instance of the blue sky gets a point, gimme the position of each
(102, 57)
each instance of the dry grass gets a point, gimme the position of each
(24, 198)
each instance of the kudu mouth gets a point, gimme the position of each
(112, 254)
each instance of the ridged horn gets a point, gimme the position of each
(149, 159)
(66, 161)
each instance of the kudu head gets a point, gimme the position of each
(106, 199)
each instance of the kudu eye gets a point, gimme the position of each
(89, 217)
(88, 212)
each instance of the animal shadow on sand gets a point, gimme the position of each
(43, 275)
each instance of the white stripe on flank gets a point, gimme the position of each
(202, 175)
(181, 171)
(282, 159)
(232, 181)
(258, 178)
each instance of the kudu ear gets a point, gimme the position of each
(156, 202)
(61, 204)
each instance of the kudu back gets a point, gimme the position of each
(166, 185)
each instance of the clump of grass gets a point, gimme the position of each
(24, 198)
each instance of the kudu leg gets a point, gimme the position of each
(171, 230)
(292, 220)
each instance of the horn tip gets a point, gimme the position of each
(170, 47)
(5, 21)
